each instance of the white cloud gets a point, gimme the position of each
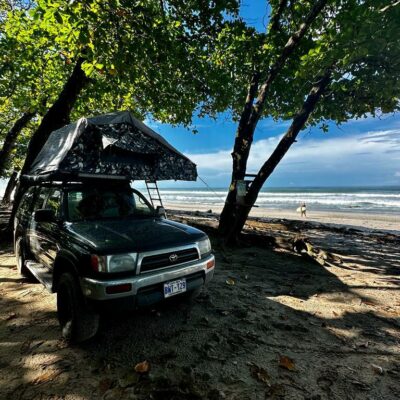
(347, 158)
(397, 173)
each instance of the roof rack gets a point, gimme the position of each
(60, 176)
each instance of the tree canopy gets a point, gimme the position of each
(172, 59)
(152, 57)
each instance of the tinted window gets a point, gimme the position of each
(89, 203)
(26, 201)
(53, 201)
(40, 199)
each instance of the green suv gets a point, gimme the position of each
(99, 243)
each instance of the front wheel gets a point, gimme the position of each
(79, 322)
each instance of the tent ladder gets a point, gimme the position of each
(154, 193)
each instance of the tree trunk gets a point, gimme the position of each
(12, 182)
(252, 113)
(58, 114)
(11, 138)
(56, 117)
(239, 164)
(243, 210)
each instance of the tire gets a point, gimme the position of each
(20, 255)
(79, 322)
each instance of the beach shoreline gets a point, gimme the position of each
(357, 220)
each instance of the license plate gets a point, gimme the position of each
(174, 287)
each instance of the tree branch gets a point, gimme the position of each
(289, 48)
(290, 137)
(11, 137)
(276, 18)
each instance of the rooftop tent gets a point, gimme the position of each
(114, 144)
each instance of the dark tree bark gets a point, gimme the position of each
(253, 111)
(56, 117)
(299, 121)
(11, 138)
(12, 182)
(239, 165)
(276, 18)
(58, 114)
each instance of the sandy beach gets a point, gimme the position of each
(385, 222)
(272, 324)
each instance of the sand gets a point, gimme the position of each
(271, 325)
(385, 222)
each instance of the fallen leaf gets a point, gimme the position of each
(377, 369)
(287, 363)
(260, 374)
(230, 282)
(143, 367)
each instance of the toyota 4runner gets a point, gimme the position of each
(99, 243)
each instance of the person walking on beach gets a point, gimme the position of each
(303, 210)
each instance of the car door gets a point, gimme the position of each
(49, 230)
(23, 214)
(33, 232)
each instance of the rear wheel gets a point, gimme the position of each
(20, 255)
(79, 322)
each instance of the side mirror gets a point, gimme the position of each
(160, 212)
(44, 215)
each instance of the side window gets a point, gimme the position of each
(140, 205)
(41, 197)
(53, 201)
(26, 201)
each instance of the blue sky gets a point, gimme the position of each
(362, 152)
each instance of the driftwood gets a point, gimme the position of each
(303, 246)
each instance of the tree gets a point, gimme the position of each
(6, 200)
(351, 52)
(11, 137)
(151, 56)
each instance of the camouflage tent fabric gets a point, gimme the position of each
(112, 144)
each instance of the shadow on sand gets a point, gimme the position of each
(229, 343)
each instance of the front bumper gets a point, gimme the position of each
(148, 288)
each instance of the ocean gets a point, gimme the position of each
(380, 200)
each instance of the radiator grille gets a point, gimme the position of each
(169, 259)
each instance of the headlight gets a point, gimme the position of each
(115, 263)
(121, 262)
(204, 246)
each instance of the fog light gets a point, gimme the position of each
(210, 264)
(125, 287)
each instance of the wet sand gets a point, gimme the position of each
(385, 222)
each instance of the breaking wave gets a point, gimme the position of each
(372, 200)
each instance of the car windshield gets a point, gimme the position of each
(95, 203)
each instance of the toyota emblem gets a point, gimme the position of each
(173, 257)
